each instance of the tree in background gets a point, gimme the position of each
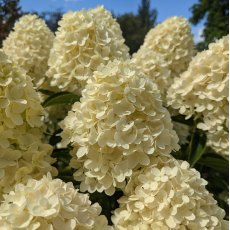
(135, 27)
(10, 11)
(216, 13)
(52, 18)
(147, 16)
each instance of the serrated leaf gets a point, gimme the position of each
(61, 98)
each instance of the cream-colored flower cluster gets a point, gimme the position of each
(28, 46)
(172, 39)
(203, 91)
(155, 67)
(19, 103)
(168, 195)
(84, 40)
(22, 153)
(119, 123)
(219, 140)
(50, 204)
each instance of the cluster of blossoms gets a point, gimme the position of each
(50, 204)
(28, 46)
(121, 134)
(202, 91)
(118, 124)
(22, 153)
(168, 195)
(84, 40)
(172, 39)
(154, 66)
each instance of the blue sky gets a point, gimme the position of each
(165, 8)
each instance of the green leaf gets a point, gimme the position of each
(61, 98)
(46, 92)
(219, 164)
(198, 148)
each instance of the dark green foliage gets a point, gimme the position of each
(214, 169)
(61, 98)
(130, 24)
(9, 13)
(108, 203)
(197, 147)
(215, 13)
(147, 16)
(216, 162)
(135, 27)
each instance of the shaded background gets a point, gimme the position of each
(208, 18)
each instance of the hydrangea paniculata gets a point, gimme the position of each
(172, 39)
(28, 46)
(202, 91)
(84, 40)
(168, 195)
(117, 125)
(155, 67)
(50, 204)
(22, 152)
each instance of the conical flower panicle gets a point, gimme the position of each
(202, 91)
(118, 124)
(22, 153)
(84, 40)
(172, 39)
(168, 195)
(28, 46)
(50, 204)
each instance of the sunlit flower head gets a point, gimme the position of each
(84, 40)
(202, 92)
(50, 204)
(28, 46)
(22, 153)
(172, 39)
(117, 125)
(168, 195)
(155, 67)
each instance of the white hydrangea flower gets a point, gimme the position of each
(22, 153)
(203, 91)
(172, 39)
(219, 141)
(50, 204)
(22, 156)
(168, 195)
(19, 102)
(84, 40)
(28, 46)
(118, 124)
(155, 67)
